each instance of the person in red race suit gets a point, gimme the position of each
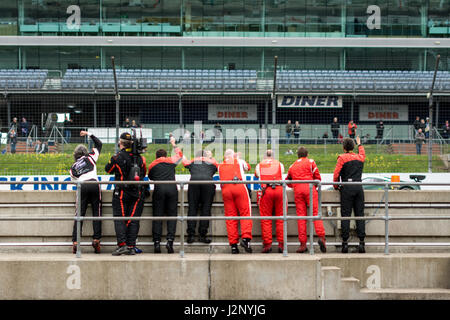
(236, 200)
(270, 198)
(306, 169)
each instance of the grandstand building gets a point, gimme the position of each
(197, 59)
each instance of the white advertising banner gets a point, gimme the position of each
(232, 112)
(108, 135)
(50, 185)
(377, 112)
(312, 102)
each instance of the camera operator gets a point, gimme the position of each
(128, 200)
(85, 169)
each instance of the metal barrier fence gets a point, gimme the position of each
(182, 218)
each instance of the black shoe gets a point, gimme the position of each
(121, 250)
(280, 250)
(361, 248)
(246, 244)
(344, 247)
(131, 251)
(96, 245)
(204, 239)
(157, 247)
(169, 246)
(322, 244)
(190, 238)
(234, 249)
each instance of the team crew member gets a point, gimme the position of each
(236, 200)
(306, 169)
(165, 196)
(200, 196)
(85, 169)
(128, 200)
(349, 167)
(270, 198)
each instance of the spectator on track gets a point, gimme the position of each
(67, 131)
(422, 125)
(380, 130)
(24, 128)
(126, 123)
(335, 126)
(13, 140)
(352, 129)
(289, 130)
(296, 130)
(427, 128)
(420, 138)
(416, 124)
(446, 130)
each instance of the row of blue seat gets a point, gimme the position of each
(163, 84)
(21, 84)
(363, 85)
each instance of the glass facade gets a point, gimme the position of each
(227, 18)
(262, 59)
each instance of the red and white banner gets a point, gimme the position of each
(232, 112)
(377, 112)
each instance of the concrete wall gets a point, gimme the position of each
(61, 204)
(219, 277)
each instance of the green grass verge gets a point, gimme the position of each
(325, 156)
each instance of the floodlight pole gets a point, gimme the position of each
(117, 97)
(430, 125)
(274, 95)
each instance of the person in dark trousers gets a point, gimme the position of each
(420, 139)
(165, 196)
(380, 130)
(200, 196)
(12, 140)
(349, 168)
(335, 126)
(128, 200)
(416, 124)
(67, 131)
(446, 130)
(85, 169)
(289, 130)
(296, 129)
(24, 128)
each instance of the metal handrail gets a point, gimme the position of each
(78, 218)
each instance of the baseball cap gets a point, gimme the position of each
(125, 136)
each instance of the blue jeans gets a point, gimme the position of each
(68, 135)
(288, 137)
(419, 148)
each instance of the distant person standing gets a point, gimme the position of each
(380, 130)
(67, 131)
(24, 128)
(422, 125)
(12, 140)
(349, 168)
(288, 132)
(427, 128)
(296, 130)
(420, 138)
(335, 126)
(126, 123)
(416, 124)
(446, 130)
(352, 129)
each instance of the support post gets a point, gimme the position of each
(78, 206)
(311, 222)
(285, 246)
(182, 221)
(386, 219)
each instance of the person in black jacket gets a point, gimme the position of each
(85, 169)
(380, 130)
(128, 200)
(165, 196)
(335, 126)
(200, 196)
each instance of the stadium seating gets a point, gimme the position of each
(22, 79)
(295, 81)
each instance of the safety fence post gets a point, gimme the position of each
(182, 221)
(285, 246)
(311, 222)
(78, 219)
(386, 219)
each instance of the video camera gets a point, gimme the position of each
(139, 144)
